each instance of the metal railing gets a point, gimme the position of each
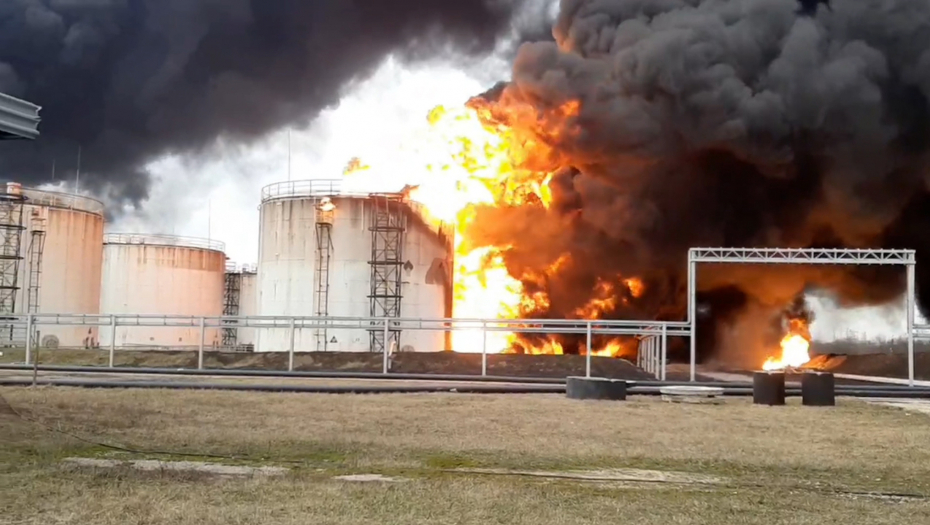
(164, 240)
(308, 188)
(333, 188)
(233, 267)
(922, 332)
(657, 331)
(57, 199)
(651, 354)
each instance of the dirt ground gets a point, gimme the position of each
(445, 458)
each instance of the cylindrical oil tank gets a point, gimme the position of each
(327, 253)
(162, 275)
(62, 251)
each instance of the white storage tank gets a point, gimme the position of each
(323, 252)
(162, 275)
(62, 251)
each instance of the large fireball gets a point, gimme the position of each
(494, 157)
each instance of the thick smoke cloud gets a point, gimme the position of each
(725, 123)
(128, 80)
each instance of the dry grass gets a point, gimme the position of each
(783, 465)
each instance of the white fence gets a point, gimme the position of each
(653, 334)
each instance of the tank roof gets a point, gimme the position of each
(314, 188)
(57, 199)
(151, 239)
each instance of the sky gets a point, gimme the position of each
(216, 194)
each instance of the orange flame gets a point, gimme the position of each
(500, 155)
(354, 166)
(795, 348)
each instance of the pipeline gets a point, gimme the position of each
(731, 391)
(283, 374)
(309, 389)
(226, 372)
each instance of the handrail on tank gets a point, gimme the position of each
(58, 199)
(333, 188)
(302, 188)
(233, 267)
(313, 188)
(164, 240)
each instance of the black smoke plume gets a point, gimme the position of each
(723, 123)
(129, 80)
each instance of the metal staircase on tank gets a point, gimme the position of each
(388, 223)
(231, 293)
(36, 249)
(325, 214)
(11, 231)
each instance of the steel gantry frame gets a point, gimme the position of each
(11, 232)
(231, 294)
(904, 258)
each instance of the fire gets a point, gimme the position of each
(615, 348)
(354, 165)
(478, 155)
(326, 205)
(606, 295)
(795, 348)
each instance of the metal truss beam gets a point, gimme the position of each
(906, 258)
(18, 119)
(800, 256)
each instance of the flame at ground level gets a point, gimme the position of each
(498, 342)
(794, 353)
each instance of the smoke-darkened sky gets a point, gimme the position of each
(131, 80)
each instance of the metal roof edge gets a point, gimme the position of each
(18, 118)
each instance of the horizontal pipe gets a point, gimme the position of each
(349, 389)
(359, 321)
(405, 389)
(883, 380)
(556, 329)
(285, 374)
(392, 376)
(645, 387)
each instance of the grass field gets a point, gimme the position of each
(791, 464)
